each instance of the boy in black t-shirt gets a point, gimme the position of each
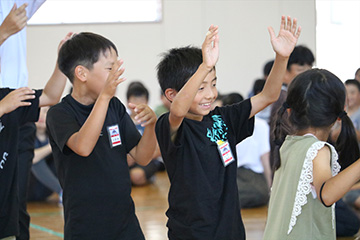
(198, 145)
(18, 107)
(90, 134)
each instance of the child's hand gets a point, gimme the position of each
(67, 37)
(15, 99)
(113, 79)
(285, 42)
(14, 21)
(144, 114)
(210, 47)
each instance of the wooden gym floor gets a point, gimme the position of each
(150, 204)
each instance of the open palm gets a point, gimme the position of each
(210, 47)
(289, 33)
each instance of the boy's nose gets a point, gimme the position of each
(210, 94)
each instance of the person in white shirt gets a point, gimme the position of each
(14, 15)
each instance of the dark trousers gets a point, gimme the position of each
(25, 157)
(347, 222)
(252, 187)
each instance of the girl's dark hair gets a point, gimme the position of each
(317, 99)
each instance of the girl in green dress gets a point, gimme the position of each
(306, 181)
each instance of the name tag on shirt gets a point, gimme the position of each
(225, 152)
(114, 135)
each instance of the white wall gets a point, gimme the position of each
(244, 40)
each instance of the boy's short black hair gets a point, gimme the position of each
(353, 82)
(232, 98)
(82, 49)
(258, 86)
(137, 89)
(177, 66)
(267, 67)
(301, 55)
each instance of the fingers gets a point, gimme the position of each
(116, 72)
(282, 23)
(144, 115)
(212, 33)
(271, 32)
(13, 8)
(17, 98)
(24, 94)
(288, 24)
(297, 35)
(67, 37)
(294, 26)
(21, 9)
(132, 106)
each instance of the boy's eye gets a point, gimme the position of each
(109, 69)
(214, 84)
(201, 88)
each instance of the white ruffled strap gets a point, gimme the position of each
(306, 178)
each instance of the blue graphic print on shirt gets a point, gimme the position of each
(218, 131)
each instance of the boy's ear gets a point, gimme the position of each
(81, 73)
(170, 94)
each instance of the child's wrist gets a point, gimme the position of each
(104, 97)
(205, 67)
(281, 58)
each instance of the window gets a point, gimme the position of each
(97, 11)
(338, 37)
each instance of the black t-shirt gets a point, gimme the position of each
(96, 189)
(203, 196)
(9, 137)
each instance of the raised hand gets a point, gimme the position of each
(144, 115)
(15, 99)
(286, 41)
(14, 22)
(114, 79)
(67, 37)
(210, 47)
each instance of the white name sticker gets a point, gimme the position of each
(114, 135)
(225, 152)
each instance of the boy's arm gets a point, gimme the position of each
(41, 153)
(15, 99)
(56, 84)
(13, 23)
(283, 46)
(84, 141)
(144, 151)
(184, 98)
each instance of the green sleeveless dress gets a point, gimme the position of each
(294, 210)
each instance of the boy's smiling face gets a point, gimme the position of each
(100, 72)
(205, 96)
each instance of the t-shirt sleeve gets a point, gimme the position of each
(30, 113)
(61, 126)
(237, 118)
(163, 135)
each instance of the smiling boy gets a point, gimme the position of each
(198, 145)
